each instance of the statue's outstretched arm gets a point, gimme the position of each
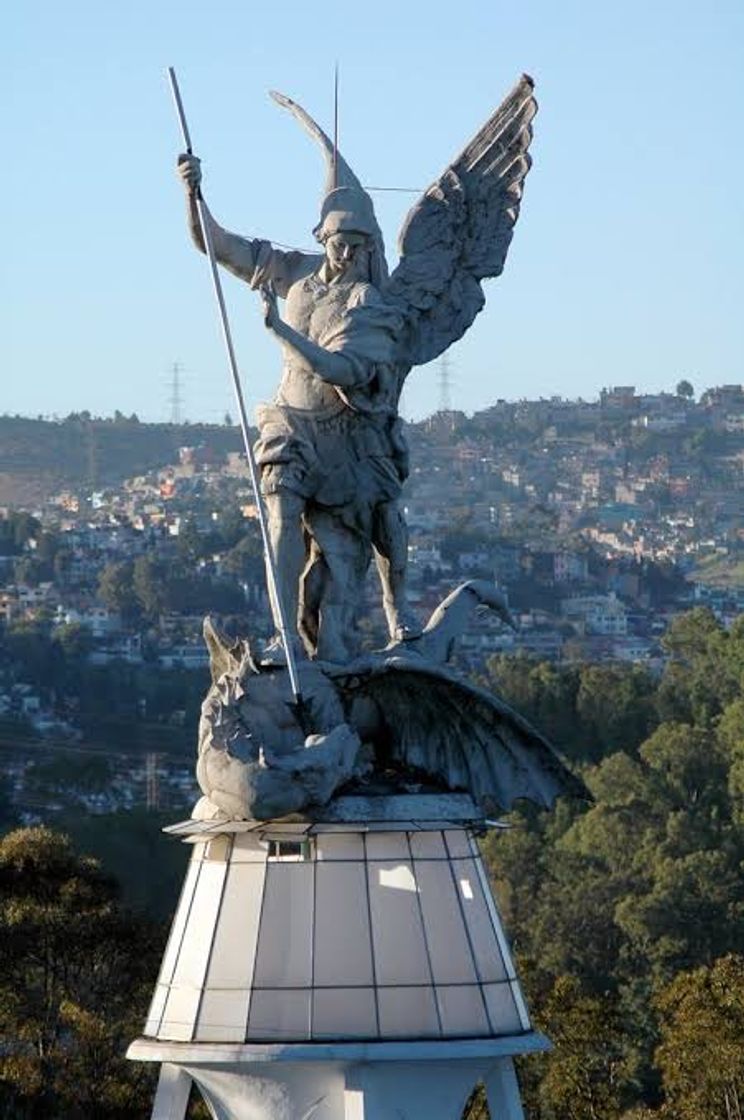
(250, 259)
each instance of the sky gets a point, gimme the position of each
(626, 265)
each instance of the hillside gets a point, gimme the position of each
(39, 457)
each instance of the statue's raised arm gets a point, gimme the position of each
(254, 260)
(459, 231)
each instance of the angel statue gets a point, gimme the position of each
(331, 449)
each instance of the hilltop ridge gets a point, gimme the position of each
(39, 457)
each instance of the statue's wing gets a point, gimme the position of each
(459, 231)
(462, 735)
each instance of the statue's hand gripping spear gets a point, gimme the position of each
(287, 638)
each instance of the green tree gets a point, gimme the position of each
(29, 647)
(75, 972)
(116, 589)
(685, 390)
(701, 1056)
(190, 542)
(23, 527)
(586, 1075)
(730, 735)
(149, 576)
(614, 705)
(691, 913)
(8, 815)
(691, 767)
(70, 774)
(543, 693)
(233, 527)
(47, 546)
(587, 712)
(705, 669)
(74, 640)
(477, 1106)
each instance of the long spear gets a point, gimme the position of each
(232, 362)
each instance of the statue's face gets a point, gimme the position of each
(347, 251)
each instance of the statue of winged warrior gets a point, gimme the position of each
(331, 451)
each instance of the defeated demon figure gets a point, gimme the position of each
(400, 710)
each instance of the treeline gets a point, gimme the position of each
(119, 705)
(83, 450)
(181, 580)
(627, 916)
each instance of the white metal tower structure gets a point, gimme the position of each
(175, 399)
(350, 968)
(445, 383)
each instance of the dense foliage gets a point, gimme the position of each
(117, 705)
(627, 915)
(75, 975)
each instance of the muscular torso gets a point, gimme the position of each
(312, 308)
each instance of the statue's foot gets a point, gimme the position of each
(406, 628)
(274, 655)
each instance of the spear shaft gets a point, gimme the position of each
(281, 619)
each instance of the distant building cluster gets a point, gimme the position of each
(600, 519)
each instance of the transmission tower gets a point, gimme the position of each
(175, 400)
(91, 450)
(445, 384)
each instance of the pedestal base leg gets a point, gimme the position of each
(272, 1091)
(502, 1091)
(406, 1091)
(172, 1095)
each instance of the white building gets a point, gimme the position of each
(597, 614)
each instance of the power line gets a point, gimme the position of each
(395, 190)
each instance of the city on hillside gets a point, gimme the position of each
(600, 520)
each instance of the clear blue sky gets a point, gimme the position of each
(626, 266)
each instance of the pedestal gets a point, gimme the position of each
(339, 970)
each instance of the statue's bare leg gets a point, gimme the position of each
(390, 542)
(342, 559)
(312, 585)
(284, 514)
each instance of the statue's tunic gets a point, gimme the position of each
(340, 448)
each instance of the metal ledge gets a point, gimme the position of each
(220, 1053)
(408, 812)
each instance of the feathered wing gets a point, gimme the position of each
(464, 736)
(459, 232)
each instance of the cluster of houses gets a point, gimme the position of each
(594, 517)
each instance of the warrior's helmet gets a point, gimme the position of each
(346, 206)
(346, 210)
